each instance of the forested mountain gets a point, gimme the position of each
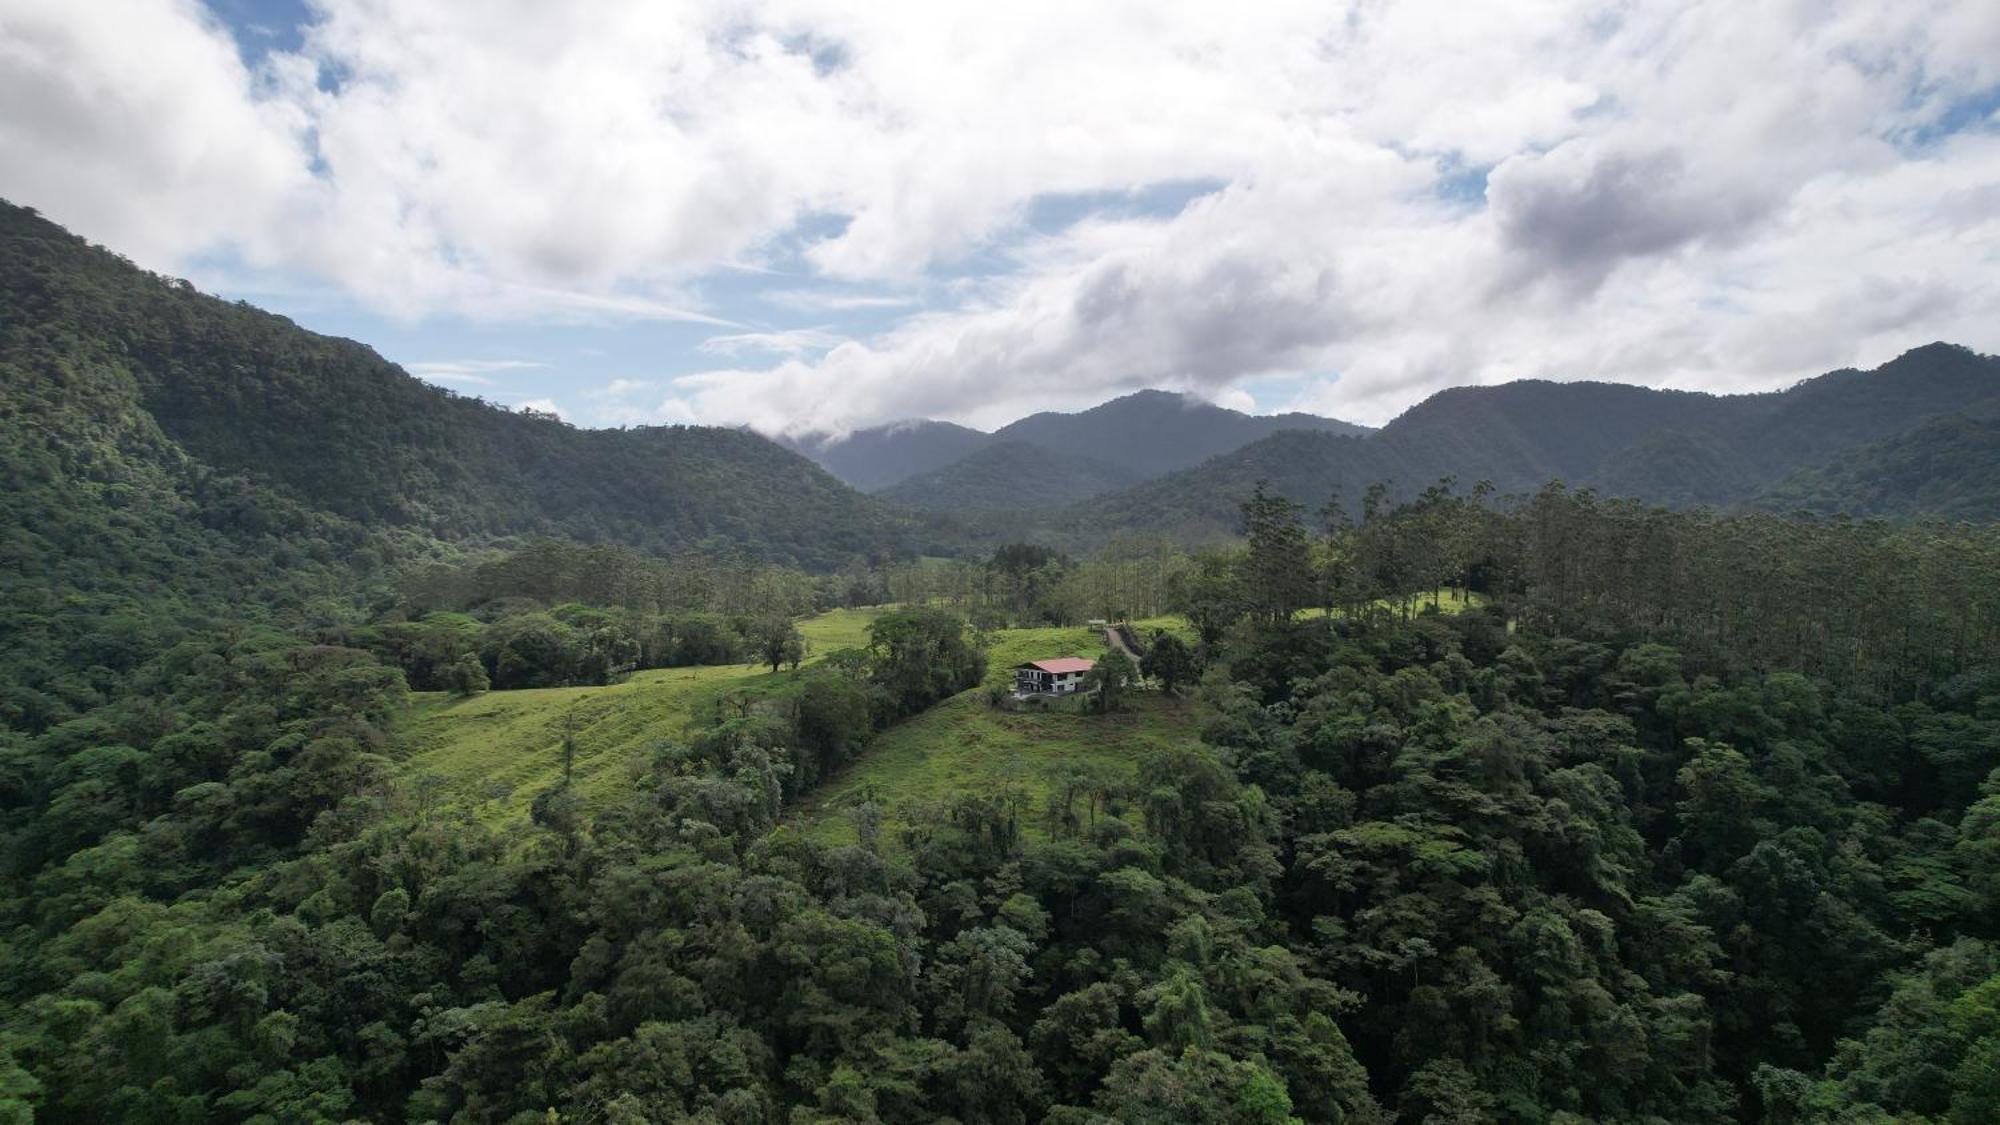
(879, 456)
(1154, 432)
(1009, 474)
(107, 348)
(1673, 447)
(1140, 435)
(1948, 467)
(1188, 464)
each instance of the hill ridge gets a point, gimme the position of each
(1666, 446)
(333, 425)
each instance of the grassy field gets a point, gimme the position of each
(966, 744)
(494, 752)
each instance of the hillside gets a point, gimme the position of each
(1152, 432)
(1140, 435)
(1010, 474)
(1947, 467)
(965, 744)
(880, 456)
(213, 388)
(1672, 447)
(491, 753)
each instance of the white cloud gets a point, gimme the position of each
(1234, 398)
(136, 122)
(840, 300)
(1704, 194)
(789, 342)
(468, 372)
(674, 412)
(621, 388)
(541, 406)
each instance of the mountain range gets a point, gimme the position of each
(938, 465)
(1912, 437)
(142, 418)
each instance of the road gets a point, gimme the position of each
(1114, 639)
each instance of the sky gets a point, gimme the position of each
(814, 216)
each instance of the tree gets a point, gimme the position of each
(1170, 659)
(779, 642)
(922, 656)
(1109, 678)
(1210, 594)
(1278, 571)
(466, 676)
(1193, 1087)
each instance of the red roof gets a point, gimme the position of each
(1061, 664)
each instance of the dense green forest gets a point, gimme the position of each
(1694, 820)
(1010, 474)
(1944, 468)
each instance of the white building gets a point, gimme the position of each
(1060, 676)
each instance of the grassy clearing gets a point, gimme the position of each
(966, 745)
(494, 752)
(838, 629)
(1446, 601)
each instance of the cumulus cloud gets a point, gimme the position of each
(1416, 194)
(621, 388)
(136, 121)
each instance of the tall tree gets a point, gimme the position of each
(1278, 571)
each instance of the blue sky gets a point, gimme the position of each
(805, 215)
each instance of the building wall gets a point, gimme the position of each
(1066, 683)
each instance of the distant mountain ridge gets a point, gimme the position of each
(1141, 435)
(1672, 447)
(1009, 474)
(877, 457)
(127, 393)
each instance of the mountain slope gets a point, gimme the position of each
(1749, 442)
(878, 457)
(1142, 435)
(335, 428)
(1673, 447)
(1011, 474)
(1947, 467)
(1154, 432)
